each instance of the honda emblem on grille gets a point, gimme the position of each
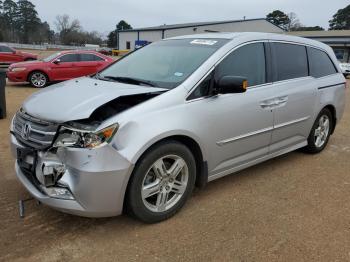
(25, 131)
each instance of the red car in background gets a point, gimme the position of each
(58, 67)
(9, 55)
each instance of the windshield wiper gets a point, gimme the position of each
(100, 77)
(129, 80)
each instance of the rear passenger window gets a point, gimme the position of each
(69, 58)
(247, 61)
(320, 63)
(290, 61)
(89, 58)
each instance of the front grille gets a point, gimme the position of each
(33, 132)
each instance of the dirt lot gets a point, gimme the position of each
(294, 208)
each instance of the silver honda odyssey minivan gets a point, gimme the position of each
(178, 113)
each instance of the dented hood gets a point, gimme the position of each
(78, 98)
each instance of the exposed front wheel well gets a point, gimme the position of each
(331, 108)
(201, 165)
(193, 146)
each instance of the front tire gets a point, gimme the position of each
(320, 132)
(162, 181)
(38, 79)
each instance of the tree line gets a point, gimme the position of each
(20, 23)
(290, 22)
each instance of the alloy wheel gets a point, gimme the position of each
(322, 131)
(165, 183)
(38, 79)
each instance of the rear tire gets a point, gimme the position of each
(320, 132)
(161, 183)
(38, 79)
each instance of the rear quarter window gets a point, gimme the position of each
(90, 58)
(290, 61)
(320, 63)
(69, 58)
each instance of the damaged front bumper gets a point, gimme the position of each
(85, 182)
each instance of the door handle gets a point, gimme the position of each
(281, 101)
(266, 104)
(274, 102)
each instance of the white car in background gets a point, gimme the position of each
(345, 68)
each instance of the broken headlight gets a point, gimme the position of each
(73, 137)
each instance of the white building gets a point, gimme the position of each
(127, 38)
(339, 40)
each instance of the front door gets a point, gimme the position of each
(64, 67)
(238, 127)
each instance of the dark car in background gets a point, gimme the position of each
(9, 55)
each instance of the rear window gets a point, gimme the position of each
(320, 63)
(5, 49)
(69, 58)
(90, 57)
(290, 61)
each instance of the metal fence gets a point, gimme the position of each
(48, 46)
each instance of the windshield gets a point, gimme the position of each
(50, 57)
(163, 64)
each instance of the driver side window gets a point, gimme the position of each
(247, 61)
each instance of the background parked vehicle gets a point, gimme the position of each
(58, 67)
(345, 68)
(104, 50)
(9, 55)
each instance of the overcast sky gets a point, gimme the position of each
(102, 15)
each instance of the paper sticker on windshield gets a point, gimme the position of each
(203, 42)
(178, 74)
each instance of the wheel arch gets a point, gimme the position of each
(196, 150)
(192, 145)
(333, 111)
(37, 70)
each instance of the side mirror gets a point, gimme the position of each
(57, 61)
(232, 84)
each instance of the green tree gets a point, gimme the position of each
(28, 21)
(2, 21)
(122, 25)
(279, 18)
(308, 28)
(112, 39)
(10, 15)
(341, 20)
(113, 35)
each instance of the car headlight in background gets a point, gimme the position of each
(18, 69)
(72, 137)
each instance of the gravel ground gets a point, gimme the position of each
(293, 208)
